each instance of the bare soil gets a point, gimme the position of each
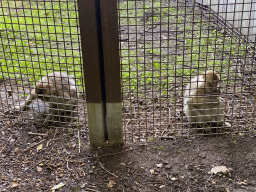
(33, 159)
(178, 164)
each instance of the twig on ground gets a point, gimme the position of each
(34, 144)
(68, 167)
(112, 154)
(167, 137)
(51, 141)
(89, 189)
(107, 170)
(122, 187)
(40, 134)
(79, 142)
(2, 149)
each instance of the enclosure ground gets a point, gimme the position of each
(178, 164)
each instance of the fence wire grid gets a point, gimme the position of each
(163, 45)
(41, 40)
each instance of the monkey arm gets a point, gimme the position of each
(27, 102)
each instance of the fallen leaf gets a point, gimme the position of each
(57, 186)
(162, 186)
(111, 183)
(39, 169)
(219, 169)
(16, 150)
(8, 123)
(14, 184)
(168, 166)
(39, 147)
(159, 165)
(152, 171)
(242, 182)
(173, 178)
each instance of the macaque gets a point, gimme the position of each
(59, 91)
(202, 103)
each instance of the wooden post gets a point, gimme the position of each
(99, 34)
(91, 51)
(110, 39)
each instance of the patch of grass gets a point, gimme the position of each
(197, 44)
(38, 37)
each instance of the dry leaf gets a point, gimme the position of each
(57, 186)
(242, 182)
(16, 150)
(39, 169)
(152, 171)
(39, 147)
(14, 184)
(219, 169)
(111, 183)
(162, 186)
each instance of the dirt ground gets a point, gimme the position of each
(33, 159)
(38, 159)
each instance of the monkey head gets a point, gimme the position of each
(211, 80)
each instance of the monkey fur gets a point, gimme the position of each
(202, 103)
(59, 91)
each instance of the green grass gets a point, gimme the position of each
(37, 39)
(198, 45)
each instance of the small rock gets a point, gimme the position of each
(168, 166)
(39, 169)
(14, 184)
(159, 165)
(152, 171)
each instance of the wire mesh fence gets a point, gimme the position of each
(163, 45)
(41, 40)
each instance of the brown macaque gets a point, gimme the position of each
(202, 103)
(59, 91)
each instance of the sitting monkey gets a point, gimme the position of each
(58, 90)
(202, 103)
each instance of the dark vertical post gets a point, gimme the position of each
(99, 35)
(92, 66)
(109, 24)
